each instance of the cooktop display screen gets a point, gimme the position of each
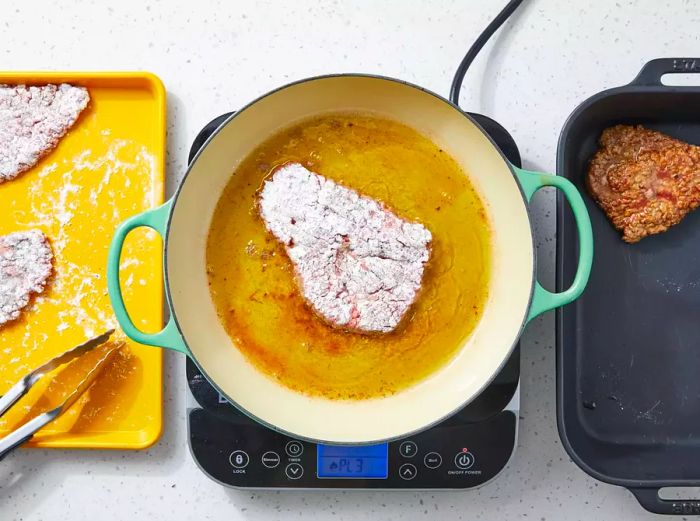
(367, 461)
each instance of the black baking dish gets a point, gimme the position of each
(628, 351)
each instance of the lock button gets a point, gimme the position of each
(239, 459)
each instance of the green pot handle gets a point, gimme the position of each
(169, 337)
(543, 300)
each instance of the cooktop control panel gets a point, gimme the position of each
(449, 456)
(464, 451)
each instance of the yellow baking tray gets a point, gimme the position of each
(108, 167)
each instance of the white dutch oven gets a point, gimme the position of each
(515, 297)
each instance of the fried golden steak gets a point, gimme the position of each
(644, 180)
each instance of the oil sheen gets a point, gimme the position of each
(252, 281)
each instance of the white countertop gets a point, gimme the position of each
(216, 56)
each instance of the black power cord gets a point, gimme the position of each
(508, 10)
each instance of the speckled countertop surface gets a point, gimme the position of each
(215, 56)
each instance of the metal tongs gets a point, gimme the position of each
(26, 431)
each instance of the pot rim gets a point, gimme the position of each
(214, 134)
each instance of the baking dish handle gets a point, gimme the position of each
(650, 500)
(542, 299)
(653, 70)
(169, 337)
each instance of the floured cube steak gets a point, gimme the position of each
(33, 119)
(359, 266)
(25, 266)
(644, 180)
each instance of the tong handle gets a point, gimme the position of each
(22, 387)
(14, 393)
(26, 431)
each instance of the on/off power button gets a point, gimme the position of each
(464, 460)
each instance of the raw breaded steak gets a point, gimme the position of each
(25, 266)
(359, 266)
(33, 120)
(644, 180)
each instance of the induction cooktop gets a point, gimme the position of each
(462, 452)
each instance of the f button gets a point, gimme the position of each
(408, 449)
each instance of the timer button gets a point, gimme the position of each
(432, 460)
(270, 459)
(407, 471)
(464, 460)
(294, 449)
(294, 471)
(239, 459)
(408, 449)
